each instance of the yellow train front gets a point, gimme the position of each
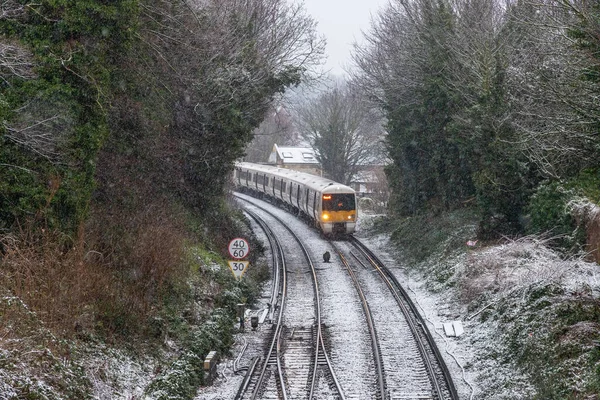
(329, 205)
(337, 213)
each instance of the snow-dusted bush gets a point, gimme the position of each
(183, 377)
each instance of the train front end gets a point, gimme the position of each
(338, 212)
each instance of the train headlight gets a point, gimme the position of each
(325, 217)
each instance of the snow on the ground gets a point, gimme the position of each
(494, 273)
(497, 272)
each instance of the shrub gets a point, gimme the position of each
(550, 212)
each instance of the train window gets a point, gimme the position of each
(339, 202)
(283, 186)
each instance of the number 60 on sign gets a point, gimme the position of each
(238, 248)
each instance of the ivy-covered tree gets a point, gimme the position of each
(56, 62)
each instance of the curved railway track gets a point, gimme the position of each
(407, 362)
(442, 386)
(296, 358)
(381, 385)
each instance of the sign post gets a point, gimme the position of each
(238, 249)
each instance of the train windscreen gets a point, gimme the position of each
(339, 202)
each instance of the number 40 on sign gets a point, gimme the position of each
(238, 249)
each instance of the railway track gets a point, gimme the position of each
(406, 361)
(262, 370)
(296, 362)
(421, 357)
(377, 356)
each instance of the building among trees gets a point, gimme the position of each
(369, 181)
(300, 159)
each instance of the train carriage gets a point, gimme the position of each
(329, 205)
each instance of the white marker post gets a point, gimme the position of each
(238, 249)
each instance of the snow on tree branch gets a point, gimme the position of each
(38, 127)
(15, 61)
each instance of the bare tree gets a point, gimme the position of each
(277, 128)
(344, 129)
(15, 62)
(11, 9)
(40, 128)
(554, 107)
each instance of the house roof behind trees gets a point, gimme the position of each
(292, 155)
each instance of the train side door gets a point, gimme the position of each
(306, 201)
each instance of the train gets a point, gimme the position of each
(328, 205)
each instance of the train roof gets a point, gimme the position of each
(316, 182)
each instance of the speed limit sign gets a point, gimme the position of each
(238, 248)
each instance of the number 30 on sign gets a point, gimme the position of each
(238, 268)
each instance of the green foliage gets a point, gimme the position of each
(76, 46)
(502, 193)
(183, 377)
(551, 337)
(588, 184)
(424, 236)
(549, 210)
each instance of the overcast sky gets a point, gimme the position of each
(341, 21)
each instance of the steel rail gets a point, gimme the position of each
(415, 321)
(320, 347)
(377, 357)
(275, 343)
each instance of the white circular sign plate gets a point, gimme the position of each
(238, 248)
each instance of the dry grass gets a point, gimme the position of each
(516, 264)
(108, 279)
